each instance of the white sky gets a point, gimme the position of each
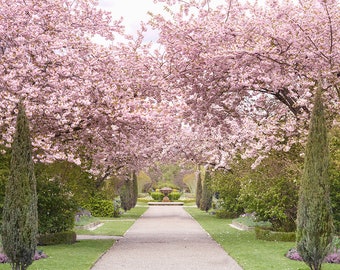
(133, 12)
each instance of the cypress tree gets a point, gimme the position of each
(20, 217)
(134, 189)
(198, 187)
(314, 217)
(125, 194)
(207, 194)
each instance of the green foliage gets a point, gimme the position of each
(72, 178)
(228, 186)
(65, 237)
(198, 188)
(207, 194)
(174, 196)
(157, 196)
(271, 189)
(126, 194)
(134, 190)
(190, 181)
(223, 213)
(160, 185)
(100, 207)
(169, 172)
(144, 182)
(56, 208)
(268, 235)
(334, 175)
(314, 219)
(116, 207)
(4, 174)
(20, 215)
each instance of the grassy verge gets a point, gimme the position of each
(250, 253)
(83, 254)
(116, 226)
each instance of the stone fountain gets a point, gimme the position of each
(166, 191)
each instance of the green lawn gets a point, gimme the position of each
(83, 254)
(116, 226)
(250, 253)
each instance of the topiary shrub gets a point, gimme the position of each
(68, 237)
(268, 235)
(157, 196)
(174, 196)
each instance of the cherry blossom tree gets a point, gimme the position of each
(86, 103)
(249, 70)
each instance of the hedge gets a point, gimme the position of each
(68, 237)
(268, 235)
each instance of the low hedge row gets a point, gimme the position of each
(268, 235)
(158, 196)
(68, 237)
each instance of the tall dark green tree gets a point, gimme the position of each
(198, 187)
(134, 189)
(314, 217)
(126, 194)
(207, 194)
(20, 218)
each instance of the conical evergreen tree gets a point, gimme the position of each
(198, 187)
(207, 194)
(314, 217)
(20, 218)
(134, 189)
(125, 194)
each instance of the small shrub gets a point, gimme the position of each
(174, 196)
(157, 196)
(56, 209)
(268, 235)
(100, 207)
(68, 237)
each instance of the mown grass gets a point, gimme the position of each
(115, 226)
(251, 254)
(83, 254)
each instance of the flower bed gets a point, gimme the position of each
(334, 257)
(38, 255)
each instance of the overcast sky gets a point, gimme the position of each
(133, 12)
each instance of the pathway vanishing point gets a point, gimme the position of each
(166, 238)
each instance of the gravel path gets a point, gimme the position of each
(167, 238)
